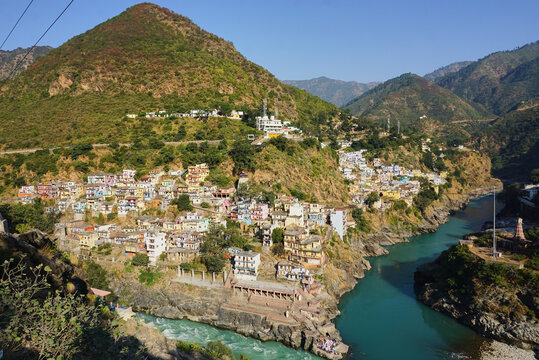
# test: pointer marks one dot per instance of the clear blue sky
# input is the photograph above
(362, 40)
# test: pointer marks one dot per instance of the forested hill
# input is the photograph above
(9, 60)
(144, 59)
(337, 92)
(448, 69)
(409, 97)
(512, 142)
(500, 81)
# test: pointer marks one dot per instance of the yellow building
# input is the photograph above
(89, 239)
(309, 251)
(391, 195)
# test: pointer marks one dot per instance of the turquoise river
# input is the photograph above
(380, 318)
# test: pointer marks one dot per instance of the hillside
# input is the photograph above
(495, 299)
(499, 81)
(144, 59)
(9, 59)
(337, 92)
(408, 97)
(512, 142)
(448, 69)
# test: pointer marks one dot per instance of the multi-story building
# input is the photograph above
(259, 212)
(155, 244)
(89, 239)
(293, 237)
(197, 173)
(246, 265)
(337, 219)
(44, 191)
(291, 271)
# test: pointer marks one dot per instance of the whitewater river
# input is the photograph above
(380, 319)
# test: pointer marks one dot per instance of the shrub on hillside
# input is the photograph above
(140, 260)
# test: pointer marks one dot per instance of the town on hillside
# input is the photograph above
(270, 249)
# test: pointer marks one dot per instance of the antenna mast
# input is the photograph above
(494, 226)
(265, 108)
(388, 123)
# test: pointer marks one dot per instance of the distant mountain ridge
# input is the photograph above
(9, 59)
(500, 81)
(448, 69)
(337, 92)
(409, 97)
(144, 59)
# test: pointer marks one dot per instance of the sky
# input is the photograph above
(361, 40)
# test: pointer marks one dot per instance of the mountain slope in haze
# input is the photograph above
(144, 59)
(512, 142)
(337, 92)
(9, 59)
(500, 81)
(408, 97)
(448, 69)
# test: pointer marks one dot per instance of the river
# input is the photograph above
(380, 318)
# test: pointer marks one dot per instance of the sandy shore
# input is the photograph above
(496, 350)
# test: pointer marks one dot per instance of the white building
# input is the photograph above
(155, 244)
(269, 125)
(246, 265)
(337, 219)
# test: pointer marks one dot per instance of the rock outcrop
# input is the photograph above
(33, 245)
(504, 313)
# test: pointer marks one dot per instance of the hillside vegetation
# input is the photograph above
(408, 97)
(144, 59)
(499, 81)
(513, 143)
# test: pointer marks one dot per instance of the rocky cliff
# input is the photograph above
(494, 303)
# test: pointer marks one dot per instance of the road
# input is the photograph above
(51, 149)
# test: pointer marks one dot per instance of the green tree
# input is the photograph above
(140, 260)
(428, 160)
(52, 325)
(277, 235)
(181, 134)
(278, 249)
(185, 266)
(220, 349)
(372, 198)
(97, 276)
(243, 155)
(214, 263)
(183, 203)
(361, 222)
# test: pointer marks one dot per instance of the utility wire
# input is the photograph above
(17, 23)
(38, 40)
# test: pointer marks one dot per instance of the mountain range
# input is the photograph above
(500, 81)
(144, 59)
(9, 59)
(409, 97)
(448, 69)
(337, 92)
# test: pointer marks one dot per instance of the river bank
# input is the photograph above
(497, 299)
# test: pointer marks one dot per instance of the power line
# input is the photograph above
(38, 40)
(17, 23)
